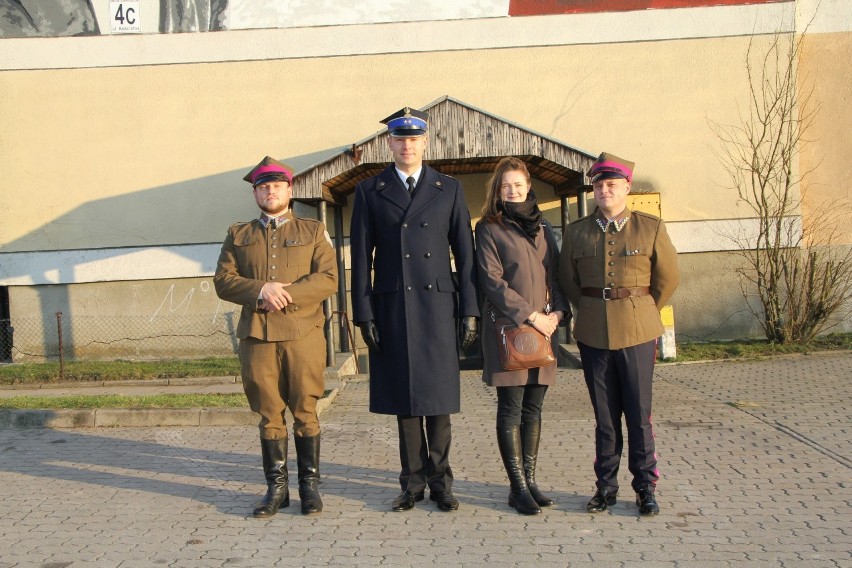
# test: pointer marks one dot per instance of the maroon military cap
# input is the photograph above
(269, 169)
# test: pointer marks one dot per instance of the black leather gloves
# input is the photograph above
(370, 333)
(468, 331)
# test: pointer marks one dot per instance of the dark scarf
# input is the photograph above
(526, 214)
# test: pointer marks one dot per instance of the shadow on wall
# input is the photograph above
(192, 212)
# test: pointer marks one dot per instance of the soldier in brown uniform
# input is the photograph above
(280, 268)
(618, 268)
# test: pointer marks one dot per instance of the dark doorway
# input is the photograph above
(5, 326)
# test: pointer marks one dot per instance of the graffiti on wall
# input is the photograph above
(173, 303)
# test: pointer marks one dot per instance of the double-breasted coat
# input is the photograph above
(515, 274)
(640, 254)
(402, 278)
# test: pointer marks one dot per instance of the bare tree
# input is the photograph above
(797, 265)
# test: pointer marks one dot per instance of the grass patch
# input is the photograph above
(37, 373)
(758, 349)
(126, 401)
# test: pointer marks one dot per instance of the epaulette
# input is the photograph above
(306, 219)
(643, 214)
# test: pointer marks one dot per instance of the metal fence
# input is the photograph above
(59, 335)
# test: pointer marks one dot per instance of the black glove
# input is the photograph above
(370, 333)
(468, 331)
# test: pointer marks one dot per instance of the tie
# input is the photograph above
(410, 182)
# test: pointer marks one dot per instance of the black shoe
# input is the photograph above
(603, 498)
(647, 503)
(406, 500)
(445, 500)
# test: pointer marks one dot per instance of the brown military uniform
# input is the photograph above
(639, 255)
(282, 353)
(617, 276)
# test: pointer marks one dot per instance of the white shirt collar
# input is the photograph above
(404, 177)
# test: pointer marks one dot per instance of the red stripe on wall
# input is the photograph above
(542, 7)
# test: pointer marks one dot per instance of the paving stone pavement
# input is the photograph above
(754, 457)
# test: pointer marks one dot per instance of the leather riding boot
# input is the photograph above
(275, 468)
(530, 436)
(509, 441)
(307, 459)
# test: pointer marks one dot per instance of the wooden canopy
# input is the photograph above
(462, 140)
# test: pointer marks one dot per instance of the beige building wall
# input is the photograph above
(136, 146)
(165, 142)
(825, 68)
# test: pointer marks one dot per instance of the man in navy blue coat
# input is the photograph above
(405, 222)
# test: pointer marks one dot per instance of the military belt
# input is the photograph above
(616, 293)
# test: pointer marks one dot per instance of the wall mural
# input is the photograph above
(542, 7)
(47, 18)
(55, 18)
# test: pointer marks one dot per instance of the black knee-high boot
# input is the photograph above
(275, 469)
(530, 436)
(307, 459)
(509, 441)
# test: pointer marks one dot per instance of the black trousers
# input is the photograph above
(619, 382)
(424, 452)
(519, 404)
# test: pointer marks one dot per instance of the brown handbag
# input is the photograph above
(521, 346)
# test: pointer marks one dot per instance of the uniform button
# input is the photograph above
(274, 246)
(405, 225)
(424, 225)
(272, 277)
(407, 255)
(272, 267)
(611, 263)
(428, 255)
(273, 256)
(611, 284)
(611, 253)
(611, 274)
(295, 308)
(408, 288)
(427, 287)
(611, 242)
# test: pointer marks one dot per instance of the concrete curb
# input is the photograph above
(137, 417)
(151, 417)
(174, 382)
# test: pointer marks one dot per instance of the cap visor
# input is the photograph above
(607, 175)
(407, 132)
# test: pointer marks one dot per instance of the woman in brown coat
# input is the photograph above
(517, 257)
